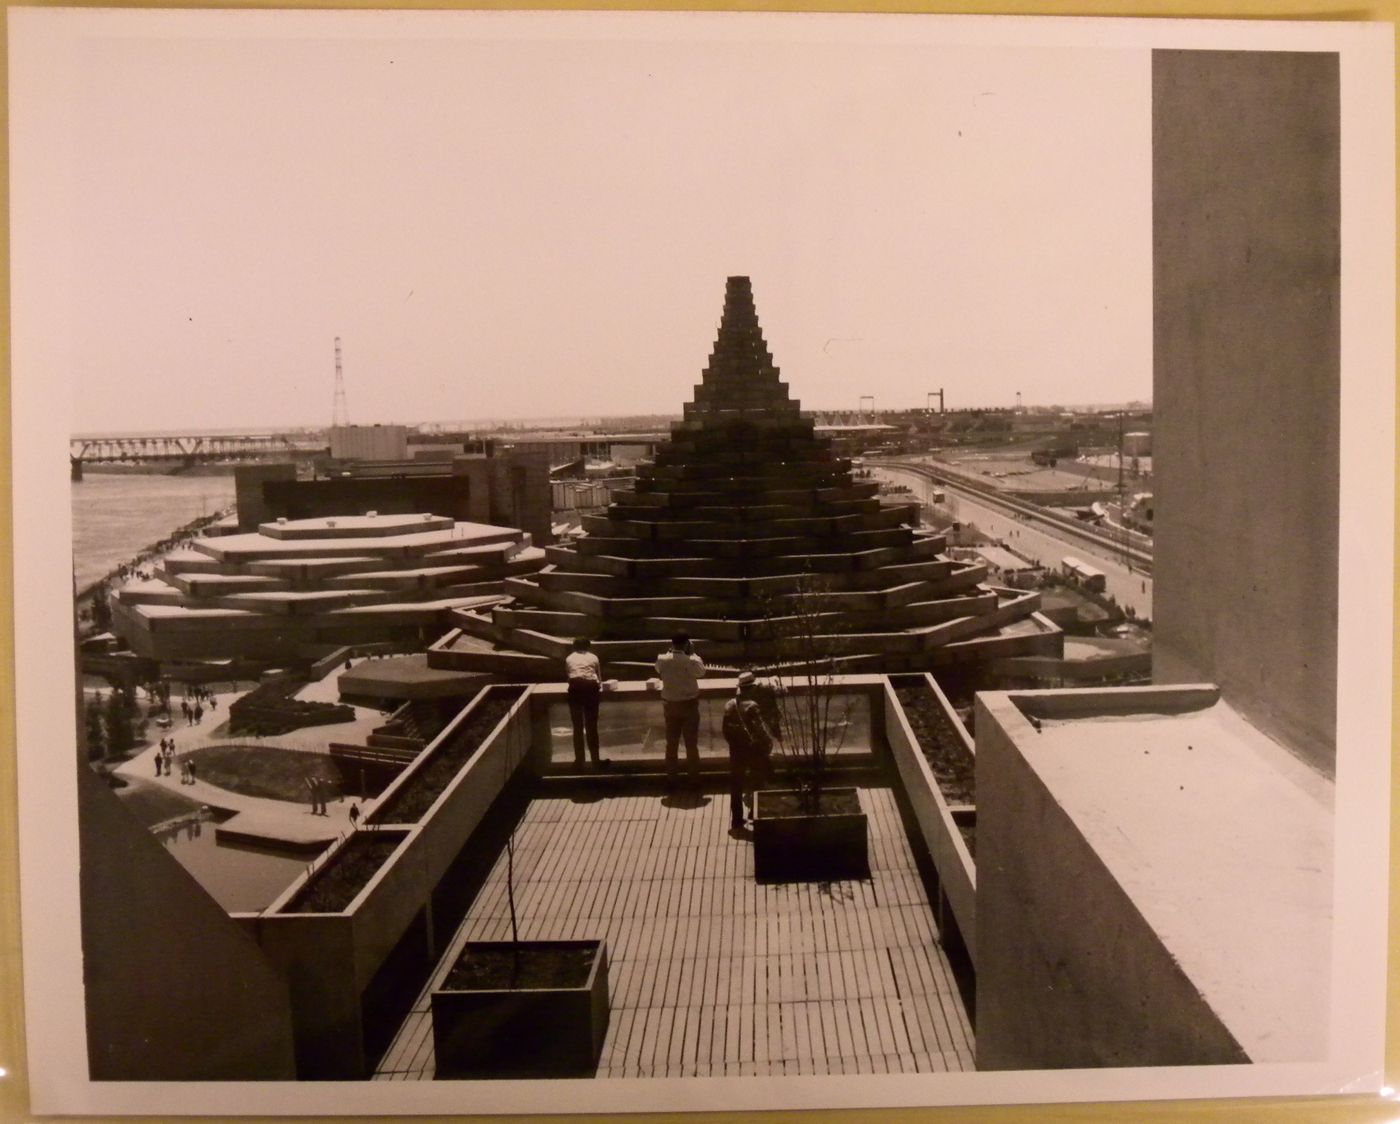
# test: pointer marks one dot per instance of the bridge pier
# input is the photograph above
(75, 469)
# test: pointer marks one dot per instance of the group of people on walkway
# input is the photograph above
(319, 791)
(166, 757)
(750, 730)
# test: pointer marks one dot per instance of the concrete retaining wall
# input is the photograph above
(957, 873)
(1069, 973)
(330, 959)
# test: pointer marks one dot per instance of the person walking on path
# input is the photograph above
(160, 758)
(314, 789)
(189, 768)
(749, 741)
(585, 677)
(679, 670)
(198, 713)
(169, 756)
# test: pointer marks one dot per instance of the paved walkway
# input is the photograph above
(710, 973)
(284, 820)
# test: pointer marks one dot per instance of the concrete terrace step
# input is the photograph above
(307, 833)
(462, 651)
(317, 569)
(846, 541)
(697, 530)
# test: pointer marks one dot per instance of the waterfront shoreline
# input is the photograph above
(151, 553)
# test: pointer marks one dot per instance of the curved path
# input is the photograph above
(255, 817)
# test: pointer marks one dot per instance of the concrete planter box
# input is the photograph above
(330, 959)
(808, 847)
(535, 1032)
(938, 823)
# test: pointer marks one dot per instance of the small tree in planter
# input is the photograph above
(811, 831)
(521, 1008)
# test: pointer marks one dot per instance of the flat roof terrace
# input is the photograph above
(713, 974)
(1224, 841)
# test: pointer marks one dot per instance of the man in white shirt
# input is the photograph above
(585, 672)
(680, 670)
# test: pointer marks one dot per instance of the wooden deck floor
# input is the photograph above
(712, 974)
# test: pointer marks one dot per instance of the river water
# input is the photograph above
(116, 516)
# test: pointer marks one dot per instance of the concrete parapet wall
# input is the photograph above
(1070, 974)
(330, 959)
(957, 874)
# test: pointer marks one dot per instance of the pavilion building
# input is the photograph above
(296, 585)
(744, 520)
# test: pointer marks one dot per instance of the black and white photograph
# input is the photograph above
(620, 561)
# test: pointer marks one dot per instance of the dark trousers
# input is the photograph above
(583, 709)
(682, 720)
(746, 772)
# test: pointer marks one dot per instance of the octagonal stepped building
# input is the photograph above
(744, 514)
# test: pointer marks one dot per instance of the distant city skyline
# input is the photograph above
(499, 223)
(429, 425)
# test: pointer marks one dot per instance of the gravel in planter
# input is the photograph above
(336, 884)
(497, 967)
(953, 767)
(419, 792)
(831, 802)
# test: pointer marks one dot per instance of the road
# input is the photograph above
(1031, 540)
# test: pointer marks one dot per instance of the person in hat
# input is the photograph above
(749, 741)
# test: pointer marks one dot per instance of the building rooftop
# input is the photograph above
(711, 973)
(351, 526)
(1223, 841)
(334, 581)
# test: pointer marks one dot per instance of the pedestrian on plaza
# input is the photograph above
(160, 761)
(198, 713)
(169, 755)
(315, 794)
(185, 710)
(679, 670)
(189, 768)
(354, 815)
(750, 742)
(584, 672)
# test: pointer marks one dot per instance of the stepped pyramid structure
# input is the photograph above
(744, 514)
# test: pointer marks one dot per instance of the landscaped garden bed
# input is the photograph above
(936, 762)
(270, 709)
(430, 778)
(942, 745)
(264, 771)
(347, 872)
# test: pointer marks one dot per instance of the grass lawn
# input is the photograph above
(264, 771)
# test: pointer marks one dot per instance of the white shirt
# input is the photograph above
(680, 675)
(583, 666)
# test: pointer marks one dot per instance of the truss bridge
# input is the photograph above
(187, 451)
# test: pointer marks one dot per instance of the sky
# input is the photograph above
(532, 217)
